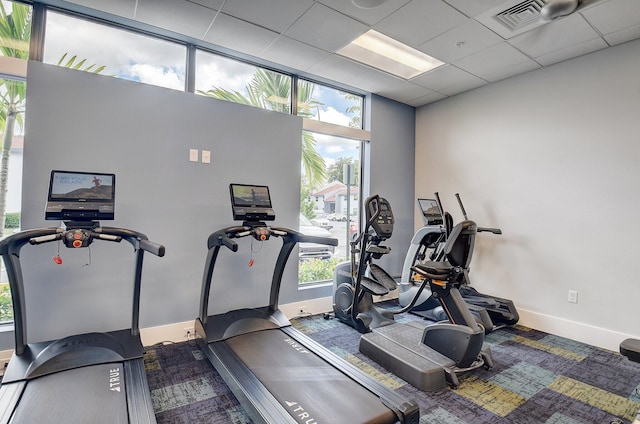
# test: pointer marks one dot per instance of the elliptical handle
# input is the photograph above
(464, 212)
(489, 230)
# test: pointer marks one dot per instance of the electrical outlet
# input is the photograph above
(189, 333)
(573, 296)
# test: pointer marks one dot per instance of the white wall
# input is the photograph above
(551, 157)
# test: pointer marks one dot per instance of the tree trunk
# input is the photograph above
(7, 141)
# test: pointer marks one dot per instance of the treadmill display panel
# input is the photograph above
(431, 213)
(251, 203)
(81, 196)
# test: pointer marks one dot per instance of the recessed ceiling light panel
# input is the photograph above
(379, 51)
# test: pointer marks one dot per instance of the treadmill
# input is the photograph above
(96, 377)
(278, 374)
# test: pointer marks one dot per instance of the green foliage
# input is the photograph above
(72, 64)
(336, 171)
(306, 205)
(12, 220)
(6, 308)
(317, 269)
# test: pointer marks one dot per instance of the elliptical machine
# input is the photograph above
(427, 356)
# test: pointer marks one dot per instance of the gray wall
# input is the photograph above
(551, 157)
(86, 122)
(392, 172)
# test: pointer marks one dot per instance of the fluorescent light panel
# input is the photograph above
(385, 53)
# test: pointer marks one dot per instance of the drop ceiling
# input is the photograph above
(303, 36)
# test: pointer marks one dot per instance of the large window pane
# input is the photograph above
(15, 31)
(329, 105)
(227, 79)
(79, 43)
(332, 206)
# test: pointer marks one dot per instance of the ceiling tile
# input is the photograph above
(448, 79)
(430, 98)
(475, 7)
(211, 4)
(238, 35)
(460, 41)
(405, 91)
(276, 15)
(623, 36)
(338, 68)
(614, 15)
(368, 16)
(571, 52)
(554, 36)
(419, 21)
(124, 8)
(178, 16)
(293, 53)
(496, 62)
(325, 28)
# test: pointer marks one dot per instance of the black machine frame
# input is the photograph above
(32, 362)
(218, 332)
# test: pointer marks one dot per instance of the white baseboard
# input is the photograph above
(175, 333)
(589, 334)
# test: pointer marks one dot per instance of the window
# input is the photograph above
(89, 46)
(327, 104)
(227, 79)
(16, 20)
(330, 174)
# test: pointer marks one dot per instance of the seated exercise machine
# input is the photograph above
(278, 374)
(96, 377)
(427, 356)
(490, 311)
(631, 349)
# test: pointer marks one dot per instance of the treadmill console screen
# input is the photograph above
(251, 203)
(431, 213)
(80, 196)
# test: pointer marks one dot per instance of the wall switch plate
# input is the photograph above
(206, 156)
(193, 155)
(573, 296)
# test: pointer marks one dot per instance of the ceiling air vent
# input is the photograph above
(513, 17)
(521, 15)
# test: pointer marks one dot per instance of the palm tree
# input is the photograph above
(15, 30)
(271, 90)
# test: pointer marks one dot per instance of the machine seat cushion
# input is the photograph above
(434, 270)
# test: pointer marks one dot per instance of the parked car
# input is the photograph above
(313, 250)
(322, 223)
(336, 217)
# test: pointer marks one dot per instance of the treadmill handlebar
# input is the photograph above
(45, 235)
(225, 236)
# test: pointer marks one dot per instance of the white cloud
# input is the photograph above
(156, 75)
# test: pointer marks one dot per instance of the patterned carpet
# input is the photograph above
(537, 378)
